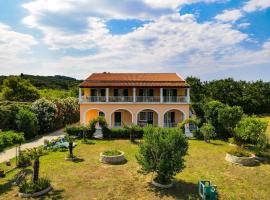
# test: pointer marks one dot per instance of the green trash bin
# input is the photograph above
(207, 191)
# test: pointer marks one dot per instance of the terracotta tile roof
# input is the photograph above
(134, 80)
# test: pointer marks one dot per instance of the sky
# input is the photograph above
(211, 39)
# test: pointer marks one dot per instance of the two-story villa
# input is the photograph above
(160, 99)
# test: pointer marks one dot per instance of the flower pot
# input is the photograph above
(244, 161)
(36, 194)
(114, 160)
(165, 186)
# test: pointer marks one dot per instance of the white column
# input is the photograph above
(188, 95)
(134, 95)
(161, 95)
(107, 94)
(80, 94)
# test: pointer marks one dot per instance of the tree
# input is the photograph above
(208, 131)
(162, 152)
(45, 111)
(196, 91)
(229, 116)
(27, 122)
(18, 89)
(35, 154)
(250, 130)
(211, 110)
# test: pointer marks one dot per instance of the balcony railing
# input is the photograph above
(120, 99)
(147, 99)
(138, 99)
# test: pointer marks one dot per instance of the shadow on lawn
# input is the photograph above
(180, 190)
(10, 183)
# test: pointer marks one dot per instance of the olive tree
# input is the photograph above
(162, 152)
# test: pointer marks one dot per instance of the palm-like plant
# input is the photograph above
(35, 154)
(70, 141)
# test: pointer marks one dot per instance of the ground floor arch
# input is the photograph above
(147, 116)
(93, 114)
(121, 117)
(172, 117)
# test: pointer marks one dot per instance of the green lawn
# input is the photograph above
(90, 179)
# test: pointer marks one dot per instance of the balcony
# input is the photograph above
(135, 99)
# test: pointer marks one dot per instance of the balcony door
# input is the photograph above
(146, 92)
(170, 95)
(120, 92)
(169, 118)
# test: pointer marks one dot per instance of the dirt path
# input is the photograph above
(11, 153)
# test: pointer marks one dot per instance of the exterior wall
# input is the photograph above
(91, 114)
(181, 91)
(87, 92)
(108, 109)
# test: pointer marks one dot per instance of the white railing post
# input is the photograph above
(161, 95)
(188, 95)
(80, 94)
(107, 94)
(134, 95)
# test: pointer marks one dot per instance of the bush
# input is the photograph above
(239, 152)
(30, 187)
(78, 130)
(27, 123)
(134, 131)
(45, 111)
(18, 89)
(7, 115)
(198, 134)
(162, 152)
(24, 159)
(208, 131)
(10, 138)
(251, 130)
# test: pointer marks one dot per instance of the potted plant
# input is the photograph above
(112, 157)
(162, 152)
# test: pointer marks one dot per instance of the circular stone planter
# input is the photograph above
(162, 185)
(36, 194)
(114, 160)
(245, 161)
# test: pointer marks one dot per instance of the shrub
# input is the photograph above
(198, 134)
(239, 152)
(7, 115)
(18, 89)
(208, 131)
(30, 187)
(10, 138)
(24, 159)
(45, 111)
(27, 122)
(79, 131)
(162, 152)
(250, 130)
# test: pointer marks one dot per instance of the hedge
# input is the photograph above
(78, 130)
(10, 138)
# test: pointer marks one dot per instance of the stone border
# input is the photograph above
(36, 194)
(118, 159)
(244, 161)
(161, 185)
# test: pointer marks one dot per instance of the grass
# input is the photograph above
(90, 179)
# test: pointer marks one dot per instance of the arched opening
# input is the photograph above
(147, 116)
(121, 117)
(93, 114)
(173, 117)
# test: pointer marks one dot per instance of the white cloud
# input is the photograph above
(13, 47)
(243, 25)
(229, 15)
(254, 5)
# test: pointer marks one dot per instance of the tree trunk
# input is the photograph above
(70, 146)
(35, 170)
